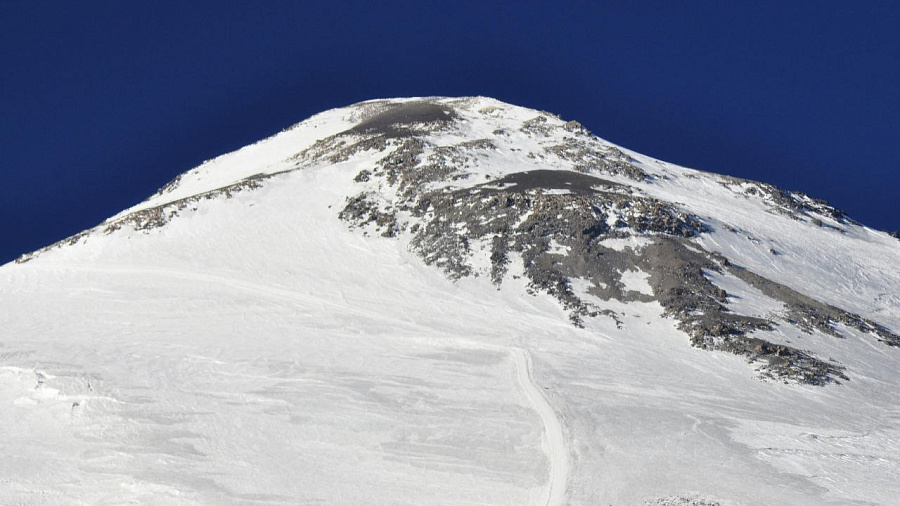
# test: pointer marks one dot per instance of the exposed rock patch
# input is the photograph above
(676, 275)
(555, 222)
(537, 126)
(404, 119)
(157, 216)
(588, 157)
(572, 182)
(794, 204)
(681, 500)
(809, 314)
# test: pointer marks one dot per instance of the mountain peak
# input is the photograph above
(472, 183)
(487, 301)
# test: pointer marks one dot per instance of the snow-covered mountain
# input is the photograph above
(454, 301)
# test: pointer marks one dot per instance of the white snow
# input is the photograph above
(555, 440)
(637, 281)
(558, 249)
(743, 298)
(255, 351)
(632, 242)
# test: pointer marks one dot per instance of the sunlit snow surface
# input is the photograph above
(256, 351)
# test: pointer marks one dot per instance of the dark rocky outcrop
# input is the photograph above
(555, 221)
(401, 120)
(795, 204)
(554, 224)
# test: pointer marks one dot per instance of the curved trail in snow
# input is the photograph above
(554, 443)
(554, 439)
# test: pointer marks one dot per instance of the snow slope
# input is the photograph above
(255, 349)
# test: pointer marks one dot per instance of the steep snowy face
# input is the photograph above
(480, 188)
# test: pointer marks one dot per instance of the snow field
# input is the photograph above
(255, 351)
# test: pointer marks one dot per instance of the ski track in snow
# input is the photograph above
(649, 418)
(554, 438)
(555, 441)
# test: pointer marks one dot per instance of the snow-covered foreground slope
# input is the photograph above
(251, 346)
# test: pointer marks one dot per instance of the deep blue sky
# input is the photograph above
(102, 103)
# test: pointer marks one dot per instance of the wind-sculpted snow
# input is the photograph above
(454, 301)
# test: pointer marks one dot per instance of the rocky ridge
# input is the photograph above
(555, 222)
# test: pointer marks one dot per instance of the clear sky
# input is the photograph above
(101, 103)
